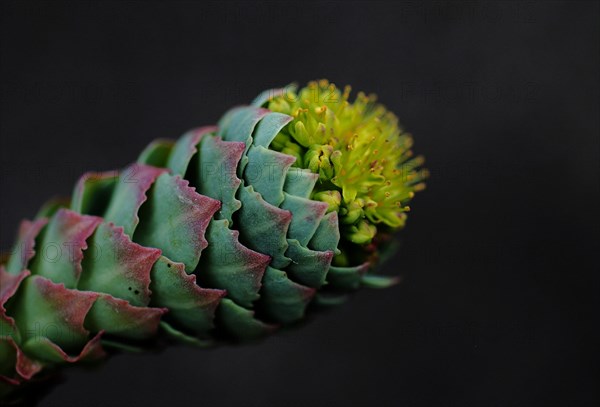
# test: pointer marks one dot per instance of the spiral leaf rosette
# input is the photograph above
(224, 235)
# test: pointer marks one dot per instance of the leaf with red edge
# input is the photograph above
(25, 367)
(229, 265)
(238, 125)
(62, 247)
(240, 322)
(264, 226)
(306, 216)
(15, 361)
(43, 309)
(217, 173)
(24, 251)
(129, 195)
(300, 182)
(9, 283)
(185, 148)
(156, 153)
(48, 351)
(174, 220)
(93, 191)
(118, 317)
(117, 266)
(191, 307)
(308, 267)
(282, 300)
(327, 235)
(266, 171)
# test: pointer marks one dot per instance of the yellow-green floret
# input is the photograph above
(367, 172)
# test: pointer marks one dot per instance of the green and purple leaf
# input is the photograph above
(175, 219)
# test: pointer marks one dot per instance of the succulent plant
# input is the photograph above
(224, 235)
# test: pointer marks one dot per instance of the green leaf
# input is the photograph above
(115, 265)
(300, 182)
(44, 349)
(229, 265)
(129, 195)
(268, 94)
(240, 322)
(238, 125)
(23, 250)
(190, 306)
(93, 192)
(40, 312)
(264, 226)
(282, 300)
(156, 153)
(185, 148)
(174, 220)
(268, 128)
(306, 217)
(375, 281)
(266, 171)
(327, 235)
(184, 338)
(216, 173)
(62, 246)
(308, 267)
(346, 278)
(118, 317)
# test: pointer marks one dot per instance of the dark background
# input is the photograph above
(499, 301)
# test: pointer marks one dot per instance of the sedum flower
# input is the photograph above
(358, 150)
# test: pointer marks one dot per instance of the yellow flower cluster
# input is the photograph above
(367, 172)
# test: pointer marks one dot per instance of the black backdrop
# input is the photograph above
(500, 257)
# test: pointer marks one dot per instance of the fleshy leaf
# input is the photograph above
(269, 127)
(238, 125)
(190, 306)
(62, 247)
(46, 350)
(23, 251)
(377, 281)
(282, 300)
(306, 216)
(181, 337)
(156, 153)
(44, 309)
(50, 207)
(326, 300)
(327, 235)
(347, 278)
(15, 361)
(93, 192)
(118, 317)
(175, 219)
(115, 265)
(217, 177)
(265, 226)
(266, 171)
(269, 94)
(308, 267)
(185, 148)
(129, 195)
(300, 182)
(240, 322)
(229, 265)
(9, 284)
